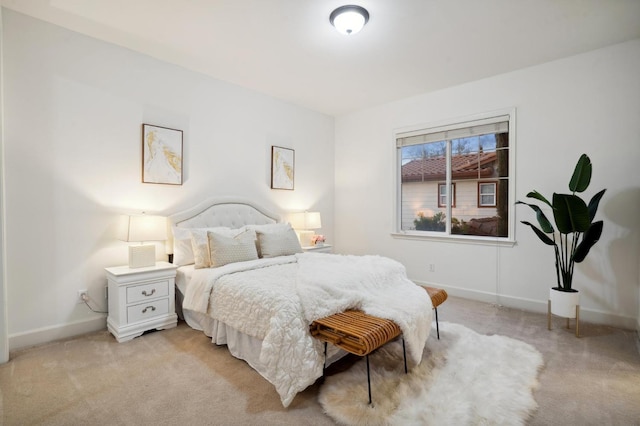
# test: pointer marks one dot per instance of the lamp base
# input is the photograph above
(142, 256)
(305, 237)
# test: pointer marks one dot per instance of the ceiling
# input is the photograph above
(288, 49)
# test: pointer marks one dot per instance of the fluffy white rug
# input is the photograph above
(464, 379)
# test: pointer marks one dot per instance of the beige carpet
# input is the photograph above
(177, 376)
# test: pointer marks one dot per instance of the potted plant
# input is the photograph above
(574, 234)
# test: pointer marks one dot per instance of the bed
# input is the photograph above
(244, 281)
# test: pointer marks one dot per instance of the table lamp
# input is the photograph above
(143, 228)
(304, 223)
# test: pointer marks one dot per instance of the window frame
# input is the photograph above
(444, 124)
(495, 194)
(453, 191)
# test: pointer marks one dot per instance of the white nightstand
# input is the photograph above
(141, 299)
(325, 248)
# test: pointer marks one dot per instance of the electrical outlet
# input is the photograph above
(432, 267)
(81, 294)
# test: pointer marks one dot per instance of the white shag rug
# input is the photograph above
(465, 378)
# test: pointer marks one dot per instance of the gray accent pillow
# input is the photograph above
(282, 242)
(226, 249)
(200, 244)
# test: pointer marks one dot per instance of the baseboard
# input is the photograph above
(540, 306)
(56, 332)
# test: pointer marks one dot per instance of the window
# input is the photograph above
(469, 160)
(442, 197)
(486, 194)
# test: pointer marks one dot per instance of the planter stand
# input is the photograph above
(577, 318)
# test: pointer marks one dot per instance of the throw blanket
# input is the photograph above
(376, 285)
(276, 299)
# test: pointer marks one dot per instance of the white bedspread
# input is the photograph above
(276, 299)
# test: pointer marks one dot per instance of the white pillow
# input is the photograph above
(200, 244)
(182, 251)
(278, 243)
(225, 249)
(182, 246)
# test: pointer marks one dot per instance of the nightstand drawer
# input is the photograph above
(144, 311)
(147, 291)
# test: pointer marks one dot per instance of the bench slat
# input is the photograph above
(355, 332)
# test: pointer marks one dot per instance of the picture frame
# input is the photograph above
(161, 155)
(282, 168)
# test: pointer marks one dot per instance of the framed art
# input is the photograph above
(161, 155)
(282, 167)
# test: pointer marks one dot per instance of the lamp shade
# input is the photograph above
(306, 220)
(144, 228)
(349, 19)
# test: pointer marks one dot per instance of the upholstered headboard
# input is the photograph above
(229, 212)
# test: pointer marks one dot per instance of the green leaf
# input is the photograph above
(538, 196)
(571, 214)
(543, 237)
(544, 223)
(581, 174)
(593, 204)
(590, 238)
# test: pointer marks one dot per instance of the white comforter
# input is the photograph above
(276, 299)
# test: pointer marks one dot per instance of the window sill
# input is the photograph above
(460, 239)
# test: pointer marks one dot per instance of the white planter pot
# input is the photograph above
(563, 304)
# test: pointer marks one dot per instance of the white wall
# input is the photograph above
(588, 103)
(73, 113)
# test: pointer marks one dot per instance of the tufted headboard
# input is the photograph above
(230, 212)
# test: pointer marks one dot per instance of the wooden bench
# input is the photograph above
(360, 334)
(357, 333)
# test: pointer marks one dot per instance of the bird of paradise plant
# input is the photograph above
(576, 232)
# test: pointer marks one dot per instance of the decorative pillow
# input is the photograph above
(200, 244)
(279, 243)
(267, 228)
(225, 249)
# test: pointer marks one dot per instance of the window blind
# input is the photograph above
(485, 126)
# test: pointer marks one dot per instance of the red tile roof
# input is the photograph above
(465, 166)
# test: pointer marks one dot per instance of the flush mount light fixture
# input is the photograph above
(349, 19)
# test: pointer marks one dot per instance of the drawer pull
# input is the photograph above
(144, 292)
(153, 308)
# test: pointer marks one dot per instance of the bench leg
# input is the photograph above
(324, 366)
(368, 379)
(404, 354)
(437, 326)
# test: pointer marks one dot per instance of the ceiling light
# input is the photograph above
(349, 19)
